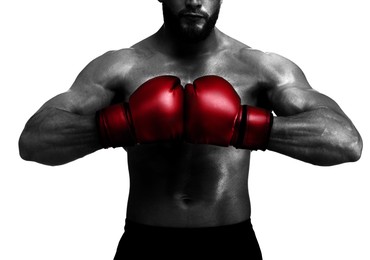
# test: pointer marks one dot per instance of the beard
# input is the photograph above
(189, 31)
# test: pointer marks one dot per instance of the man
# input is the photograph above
(189, 104)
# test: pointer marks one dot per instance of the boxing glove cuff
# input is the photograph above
(115, 127)
(253, 128)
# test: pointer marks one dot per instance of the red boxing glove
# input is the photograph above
(154, 113)
(213, 115)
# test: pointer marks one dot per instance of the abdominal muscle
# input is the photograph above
(185, 185)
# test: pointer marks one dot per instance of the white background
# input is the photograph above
(77, 211)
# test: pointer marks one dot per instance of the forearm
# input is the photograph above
(320, 137)
(53, 137)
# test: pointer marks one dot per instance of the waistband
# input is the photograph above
(132, 226)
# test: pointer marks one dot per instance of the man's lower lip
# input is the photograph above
(192, 17)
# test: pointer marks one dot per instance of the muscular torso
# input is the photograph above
(181, 184)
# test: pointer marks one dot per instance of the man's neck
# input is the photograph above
(170, 44)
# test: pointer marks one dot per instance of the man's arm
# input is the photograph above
(309, 126)
(64, 128)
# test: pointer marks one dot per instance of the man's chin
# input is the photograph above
(189, 27)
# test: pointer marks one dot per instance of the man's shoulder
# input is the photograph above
(262, 58)
(125, 55)
(271, 67)
(116, 63)
(247, 54)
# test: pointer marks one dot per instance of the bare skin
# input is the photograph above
(182, 184)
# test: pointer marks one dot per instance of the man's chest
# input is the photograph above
(243, 78)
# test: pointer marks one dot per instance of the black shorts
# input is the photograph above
(237, 241)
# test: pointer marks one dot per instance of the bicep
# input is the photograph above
(89, 93)
(290, 93)
(292, 100)
(79, 101)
